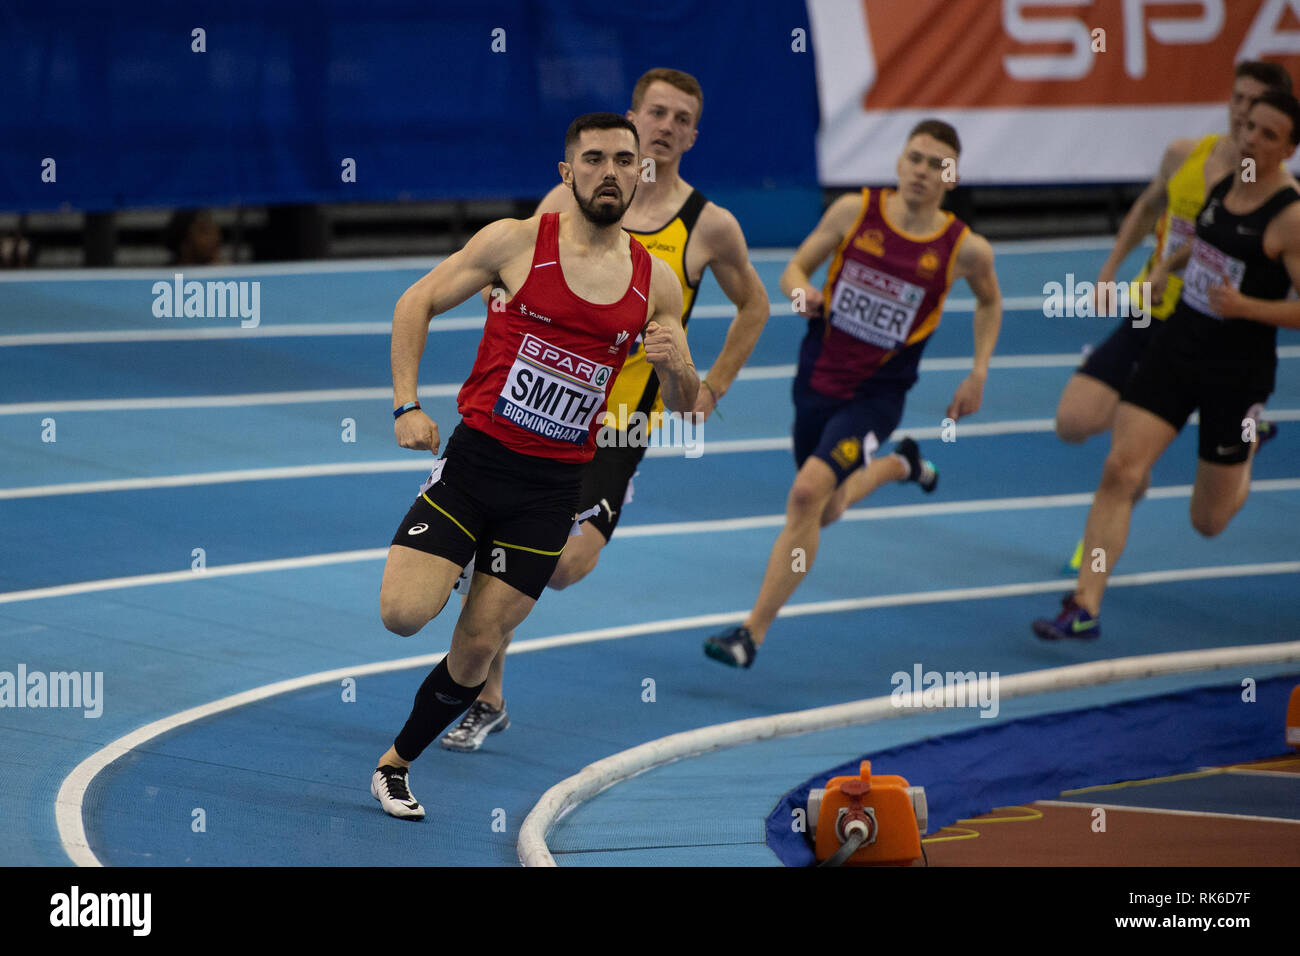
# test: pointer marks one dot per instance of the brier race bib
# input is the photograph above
(1209, 267)
(874, 307)
(553, 392)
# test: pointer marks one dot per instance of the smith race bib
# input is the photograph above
(553, 392)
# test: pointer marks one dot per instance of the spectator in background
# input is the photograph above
(16, 251)
(193, 238)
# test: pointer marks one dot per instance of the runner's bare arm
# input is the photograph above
(739, 281)
(816, 248)
(665, 340)
(1285, 313)
(1164, 268)
(1146, 210)
(975, 265)
(450, 283)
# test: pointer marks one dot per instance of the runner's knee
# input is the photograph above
(401, 616)
(1074, 427)
(574, 565)
(808, 496)
(1125, 475)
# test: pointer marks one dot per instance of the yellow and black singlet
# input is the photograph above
(1185, 191)
(636, 388)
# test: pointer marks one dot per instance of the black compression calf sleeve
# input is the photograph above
(438, 702)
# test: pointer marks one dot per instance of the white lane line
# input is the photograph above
(779, 308)
(420, 463)
(596, 777)
(449, 389)
(1174, 813)
(425, 263)
(452, 323)
(182, 577)
(717, 526)
(221, 401)
(72, 792)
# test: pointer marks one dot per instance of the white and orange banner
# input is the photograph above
(1039, 90)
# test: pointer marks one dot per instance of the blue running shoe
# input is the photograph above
(734, 647)
(1073, 621)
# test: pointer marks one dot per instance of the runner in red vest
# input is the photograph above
(506, 490)
(896, 256)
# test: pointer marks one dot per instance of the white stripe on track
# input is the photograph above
(392, 263)
(72, 792)
(454, 323)
(221, 401)
(449, 389)
(420, 464)
(715, 526)
(1217, 815)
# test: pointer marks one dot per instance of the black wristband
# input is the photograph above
(408, 407)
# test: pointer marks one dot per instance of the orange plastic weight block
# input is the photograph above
(885, 803)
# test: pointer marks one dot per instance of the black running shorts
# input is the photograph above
(1114, 360)
(1171, 383)
(511, 512)
(607, 485)
(844, 433)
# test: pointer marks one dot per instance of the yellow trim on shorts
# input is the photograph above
(520, 547)
(450, 518)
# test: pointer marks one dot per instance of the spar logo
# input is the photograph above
(564, 362)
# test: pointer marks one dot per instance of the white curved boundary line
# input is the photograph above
(592, 779)
(72, 792)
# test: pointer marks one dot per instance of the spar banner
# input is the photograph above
(1039, 90)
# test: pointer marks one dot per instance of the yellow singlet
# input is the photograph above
(637, 386)
(1186, 191)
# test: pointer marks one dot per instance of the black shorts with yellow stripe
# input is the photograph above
(511, 512)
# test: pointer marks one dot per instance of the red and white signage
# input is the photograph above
(1039, 90)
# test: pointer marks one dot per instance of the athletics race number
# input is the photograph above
(874, 307)
(1181, 232)
(1209, 267)
(553, 392)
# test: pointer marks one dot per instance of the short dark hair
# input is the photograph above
(596, 121)
(943, 132)
(1285, 103)
(1272, 75)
